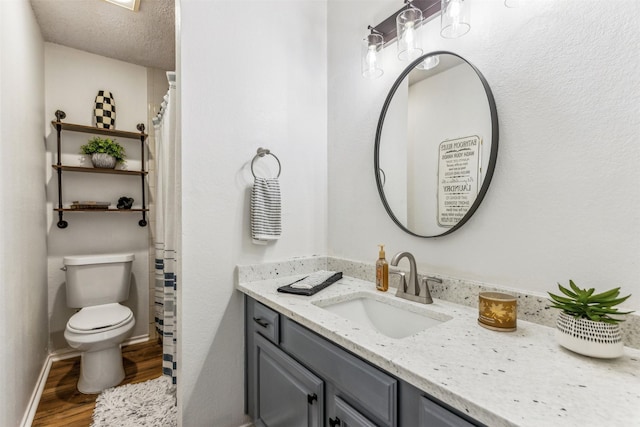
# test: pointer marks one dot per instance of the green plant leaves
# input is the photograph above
(583, 303)
(104, 145)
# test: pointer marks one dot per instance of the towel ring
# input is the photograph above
(261, 153)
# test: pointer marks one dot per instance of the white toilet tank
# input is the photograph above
(97, 279)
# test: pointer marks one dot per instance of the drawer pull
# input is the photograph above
(261, 322)
(311, 398)
(334, 423)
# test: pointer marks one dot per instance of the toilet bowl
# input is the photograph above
(98, 332)
(97, 284)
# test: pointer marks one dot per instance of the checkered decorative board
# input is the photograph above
(105, 110)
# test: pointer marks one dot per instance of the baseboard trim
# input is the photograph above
(136, 340)
(66, 353)
(34, 401)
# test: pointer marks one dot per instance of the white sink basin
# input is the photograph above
(394, 319)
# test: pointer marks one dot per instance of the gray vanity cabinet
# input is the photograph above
(353, 386)
(287, 394)
(347, 416)
(432, 414)
(295, 378)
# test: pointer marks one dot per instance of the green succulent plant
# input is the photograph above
(583, 303)
(104, 145)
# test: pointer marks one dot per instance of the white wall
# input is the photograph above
(255, 81)
(23, 271)
(72, 80)
(564, 200)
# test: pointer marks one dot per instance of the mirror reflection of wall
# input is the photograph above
(394, 155)
(428, 107)
(447, 105)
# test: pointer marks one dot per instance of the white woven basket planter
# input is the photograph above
(103, 161)
(589, 338)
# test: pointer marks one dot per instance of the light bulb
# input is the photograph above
(409, 33)
(454, 10)
(371, 59)
(455, 18)
(407, 23)
(370, 67)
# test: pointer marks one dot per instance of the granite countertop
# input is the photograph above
(520, 378)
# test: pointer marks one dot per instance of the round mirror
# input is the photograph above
(436, 145)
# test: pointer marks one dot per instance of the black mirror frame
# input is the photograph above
(492, 156)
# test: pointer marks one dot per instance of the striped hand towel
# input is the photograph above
(265, 210)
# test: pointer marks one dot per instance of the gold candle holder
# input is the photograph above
(497, 311)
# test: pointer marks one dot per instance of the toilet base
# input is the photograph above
(100, 370)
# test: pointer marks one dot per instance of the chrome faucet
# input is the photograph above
(411, 290)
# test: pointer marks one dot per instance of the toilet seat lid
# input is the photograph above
(99, 317)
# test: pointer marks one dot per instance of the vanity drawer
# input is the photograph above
(365, 387)
(266, 322)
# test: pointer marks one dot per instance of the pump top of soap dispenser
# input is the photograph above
(381, 254)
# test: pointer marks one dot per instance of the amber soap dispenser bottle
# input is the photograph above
(382, 272)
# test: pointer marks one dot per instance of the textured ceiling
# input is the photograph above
(146, 37)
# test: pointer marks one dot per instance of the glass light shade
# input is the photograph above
(371, 46)
(132, 5)
(429, 63)
(454, 20)
(407, 23)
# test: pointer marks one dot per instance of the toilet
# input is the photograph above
(97, 284)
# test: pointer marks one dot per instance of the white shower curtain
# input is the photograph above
(166, 200)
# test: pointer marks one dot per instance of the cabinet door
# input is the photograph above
(347, 416)
(288, 394)
(369, 389)
(433, 415)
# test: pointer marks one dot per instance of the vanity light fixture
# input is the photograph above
(132, 5)
(454, 19)
(371, 45)
(403, 26)
(388, 30)
(407, 23)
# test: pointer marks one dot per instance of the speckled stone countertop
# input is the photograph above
(520, 378)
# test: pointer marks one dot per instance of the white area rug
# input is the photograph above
(149, 404)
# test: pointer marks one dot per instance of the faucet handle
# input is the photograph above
(403, 279)
(427, 292)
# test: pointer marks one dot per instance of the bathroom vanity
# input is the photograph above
(307, 362)
(295, 377)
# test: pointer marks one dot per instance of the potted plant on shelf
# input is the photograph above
(105, 152)
(589, 323)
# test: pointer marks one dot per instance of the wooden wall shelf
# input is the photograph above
(59, 167)
(98, 131)
(100, 210)
(98, 170)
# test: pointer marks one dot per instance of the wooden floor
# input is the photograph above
(62, 404)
